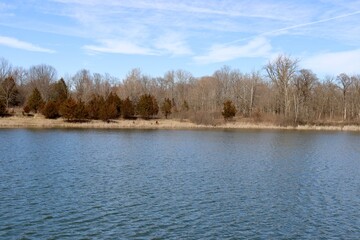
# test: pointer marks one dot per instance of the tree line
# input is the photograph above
(281, 92)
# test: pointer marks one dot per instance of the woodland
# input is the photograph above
(280, 93)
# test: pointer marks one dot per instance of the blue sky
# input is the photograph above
(115, 36)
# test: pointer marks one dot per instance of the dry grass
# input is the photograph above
(38, 121)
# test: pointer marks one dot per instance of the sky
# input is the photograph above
(199, 36)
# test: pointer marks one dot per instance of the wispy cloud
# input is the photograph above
(226, 29)
(121, 47)
(255, 9)
(334, 62)
(173, 44)
(108, 17)
(297, 26)
(16, 43)
(258, 47)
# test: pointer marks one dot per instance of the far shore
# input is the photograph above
(40, 122)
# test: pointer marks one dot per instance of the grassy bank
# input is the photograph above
(39, 121)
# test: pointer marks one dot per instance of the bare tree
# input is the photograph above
(5, 69)
(281, 71)
(304, 83)
(103, 84)
(20, 76)
(41, 77)
(132, 85)
(84, 85)
(8, 91)
(345, 82)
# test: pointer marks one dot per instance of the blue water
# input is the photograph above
(86, 184)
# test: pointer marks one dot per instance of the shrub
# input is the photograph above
(26, 109)
(3, 110)
(229, 110)
(51, 110)
(185, 106)
(203, 118)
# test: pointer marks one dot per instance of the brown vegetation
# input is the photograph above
(282, 95)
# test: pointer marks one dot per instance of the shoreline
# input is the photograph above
(37, 122)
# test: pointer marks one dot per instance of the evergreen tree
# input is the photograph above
(67, 109)
(113, 101)
(166, 107)
(58, 94)
(94, 106)
(147, 106)
(229, 110)
(155, 106)
(51, 110)
(80, 112)
(108, 110)
(3, 110)
(59, 91)
(35, 101)
(127, 109)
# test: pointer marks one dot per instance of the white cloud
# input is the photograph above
(120, 47)
(173, 44)
(257, 9)
(15, 43)
(334, 62)
(258, 47)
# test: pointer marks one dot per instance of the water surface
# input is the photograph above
(131, 184)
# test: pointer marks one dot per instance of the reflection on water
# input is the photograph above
(179, 184)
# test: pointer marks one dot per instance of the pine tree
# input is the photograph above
(67, 109)
(229, 110)
(112, 101)
(80, 112)
(51, 110)
(127, 109)
(59, 91)
(94, 106)
(3, 110)
(166, 107)
(108, 111)
(147, 106)
(35, 101)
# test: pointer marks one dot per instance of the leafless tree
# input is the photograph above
(281, 71)
(345, 82)
(41, 77)
(304, 83)
(131, 86)
(84, 85)
(8, 91)
(5, 69)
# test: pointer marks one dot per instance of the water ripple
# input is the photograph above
(58, 184)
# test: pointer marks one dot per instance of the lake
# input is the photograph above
(172, 184)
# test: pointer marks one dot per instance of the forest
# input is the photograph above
(280, 93)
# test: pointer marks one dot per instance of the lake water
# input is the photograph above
(96, 184)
